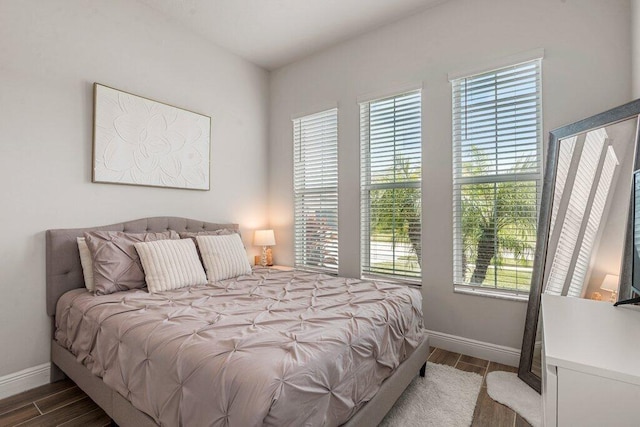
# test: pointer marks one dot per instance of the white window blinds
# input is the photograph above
(497, 176)
(315, 183)
(391, 171)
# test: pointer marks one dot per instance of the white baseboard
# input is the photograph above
(483, 350)
(24, 380)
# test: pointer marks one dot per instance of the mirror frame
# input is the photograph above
(609, 117)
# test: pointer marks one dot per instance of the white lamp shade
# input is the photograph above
(610, 283)
(264, 238)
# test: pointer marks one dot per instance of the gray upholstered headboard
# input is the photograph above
(64, 271)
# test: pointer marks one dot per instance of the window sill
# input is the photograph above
(329, 272)
(393, 280)
(490, 293)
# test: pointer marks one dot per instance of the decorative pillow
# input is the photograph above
(87, 263)
(221, 232)
(116, 264)
(224, 257)
(192, 235)
(170, 264)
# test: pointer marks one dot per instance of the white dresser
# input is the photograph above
(591, 363)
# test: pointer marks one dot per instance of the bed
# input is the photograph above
(270, 347)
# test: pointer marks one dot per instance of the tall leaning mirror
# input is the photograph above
(583, 240)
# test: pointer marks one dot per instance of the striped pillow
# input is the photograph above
(170, 264)
(224, 257)
(87, 263)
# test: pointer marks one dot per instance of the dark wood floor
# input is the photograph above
(57, 404)
(64, 404)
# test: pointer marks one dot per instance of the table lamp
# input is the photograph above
(610, 284)
(264, 238)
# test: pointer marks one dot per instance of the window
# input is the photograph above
(391, 158)
(497, 177)
(315, 186)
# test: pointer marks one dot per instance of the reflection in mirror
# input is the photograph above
(584, 242)
(589, 208)
(588, 218)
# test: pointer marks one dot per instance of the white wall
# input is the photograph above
(586, 70)
(635, 47)
(50, 54)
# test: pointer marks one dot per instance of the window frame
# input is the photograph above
(492, 178)
(366, 187)
(301, 260)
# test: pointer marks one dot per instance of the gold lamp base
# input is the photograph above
(266, 258)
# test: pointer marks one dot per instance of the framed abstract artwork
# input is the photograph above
(138, 141)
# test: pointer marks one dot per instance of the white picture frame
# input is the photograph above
(138, 141)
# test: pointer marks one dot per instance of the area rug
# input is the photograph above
(508, 389)
(444, 397)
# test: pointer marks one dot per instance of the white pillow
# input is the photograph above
(224, 257)
(170, 264)
(87, 263)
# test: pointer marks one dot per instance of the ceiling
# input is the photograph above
(273, 33)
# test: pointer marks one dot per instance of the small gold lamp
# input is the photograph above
(264, 238)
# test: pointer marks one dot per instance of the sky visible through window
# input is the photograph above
(500, 122)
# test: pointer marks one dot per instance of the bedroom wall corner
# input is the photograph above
(50, 55)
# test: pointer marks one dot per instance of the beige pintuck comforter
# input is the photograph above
(271, 348)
